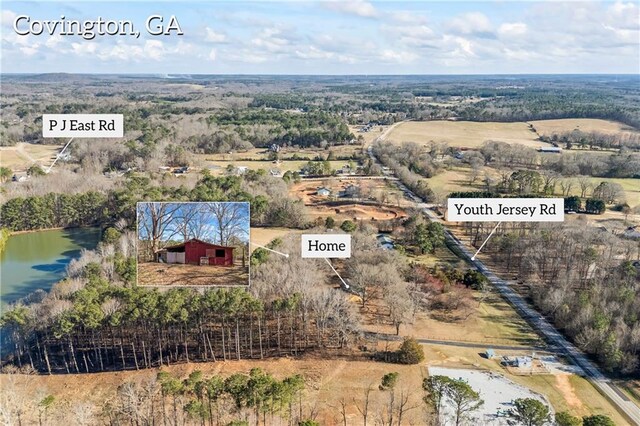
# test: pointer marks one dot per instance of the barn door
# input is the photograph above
(180, 257)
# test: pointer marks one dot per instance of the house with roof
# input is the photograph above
(323, 192)
(196, 252)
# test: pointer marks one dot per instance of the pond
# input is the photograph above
(37, 260)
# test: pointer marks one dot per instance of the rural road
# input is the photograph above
(551, 335)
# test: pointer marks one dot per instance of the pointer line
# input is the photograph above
(59, 155)
(276, 252)
(485, 241)
(346, 286)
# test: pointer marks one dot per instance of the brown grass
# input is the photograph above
(548, 127)
(326, 382)
(264, 236)
(178, 275)
(21, 156)
(464, 134)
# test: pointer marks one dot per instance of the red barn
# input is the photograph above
(197, 252)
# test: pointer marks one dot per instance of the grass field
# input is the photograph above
(262, 153)
(631, 188)
(283, 166)
(161, 274)
(21, 156)
(464, 134)
(548, 127)
(264, 236)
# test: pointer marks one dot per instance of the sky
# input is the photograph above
(334, 37)
(204, 220)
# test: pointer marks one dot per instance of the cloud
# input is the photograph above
(214, 37)
(407, 17)
(471, 23)
(7, 17)
(360, 8)
(54, 41)
(212, 55)
(512, 29)
(273, 40)
(400, 57)
(151, 50)
(312, 52)
(85, 48)
(30, 50)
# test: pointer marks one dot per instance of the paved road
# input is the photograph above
(621, 401)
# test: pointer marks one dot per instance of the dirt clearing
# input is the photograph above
(161, 274)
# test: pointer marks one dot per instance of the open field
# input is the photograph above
(326, 382)
(587, 125)
(285, 153)
(23, 155)
(162, 274)
(489, 320)
(282, 166)
(370, 135)
(631, 188)
(464, 134)
(456, 179)
(264, 236)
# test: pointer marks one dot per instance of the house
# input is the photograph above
(323, 192)
(632, 233)
(197, 252)
(489, 353)
(523, 361)
(351, 191)
(551, 149)
(385, 242)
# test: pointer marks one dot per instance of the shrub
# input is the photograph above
(410, 352)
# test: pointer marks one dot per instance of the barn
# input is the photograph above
(197, 252)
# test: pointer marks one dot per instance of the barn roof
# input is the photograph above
(195, 239)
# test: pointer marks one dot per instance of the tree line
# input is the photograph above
(583, 278)
(103, 208)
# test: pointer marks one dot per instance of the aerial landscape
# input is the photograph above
(162, 277)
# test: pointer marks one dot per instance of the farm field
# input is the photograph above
(326, 382)
(464, 134)
(370, 135)
(23, 155)
(283, 166)
(264, 236)
(587, 125)
(488, 320)
(631, 188)
(162, 274)
(287, 152)
(456, 179)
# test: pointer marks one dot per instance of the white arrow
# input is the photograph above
(485, 241)
(274, 251)
(59, 155)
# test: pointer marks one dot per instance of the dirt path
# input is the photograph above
(568, 392)
(22, 153)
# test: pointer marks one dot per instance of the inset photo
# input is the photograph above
(193, 244)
